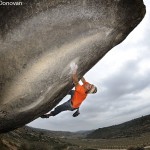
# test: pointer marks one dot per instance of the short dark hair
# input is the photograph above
(95, 90)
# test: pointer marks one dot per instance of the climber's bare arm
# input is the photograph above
(83, 80)
(75, 79)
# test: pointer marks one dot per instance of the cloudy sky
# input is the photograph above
(123, 81)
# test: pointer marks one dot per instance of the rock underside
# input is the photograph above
(41, 38)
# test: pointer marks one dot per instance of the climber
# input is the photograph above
(77, 96)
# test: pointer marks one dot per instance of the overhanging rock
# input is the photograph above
(41, 38)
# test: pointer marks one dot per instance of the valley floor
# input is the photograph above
(120, 143)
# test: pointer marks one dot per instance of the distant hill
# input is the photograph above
(55, 134)
(133, 128)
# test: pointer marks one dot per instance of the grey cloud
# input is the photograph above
(126, 81)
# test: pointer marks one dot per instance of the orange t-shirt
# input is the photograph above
(79, 95)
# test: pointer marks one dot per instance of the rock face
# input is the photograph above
(41, 38)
